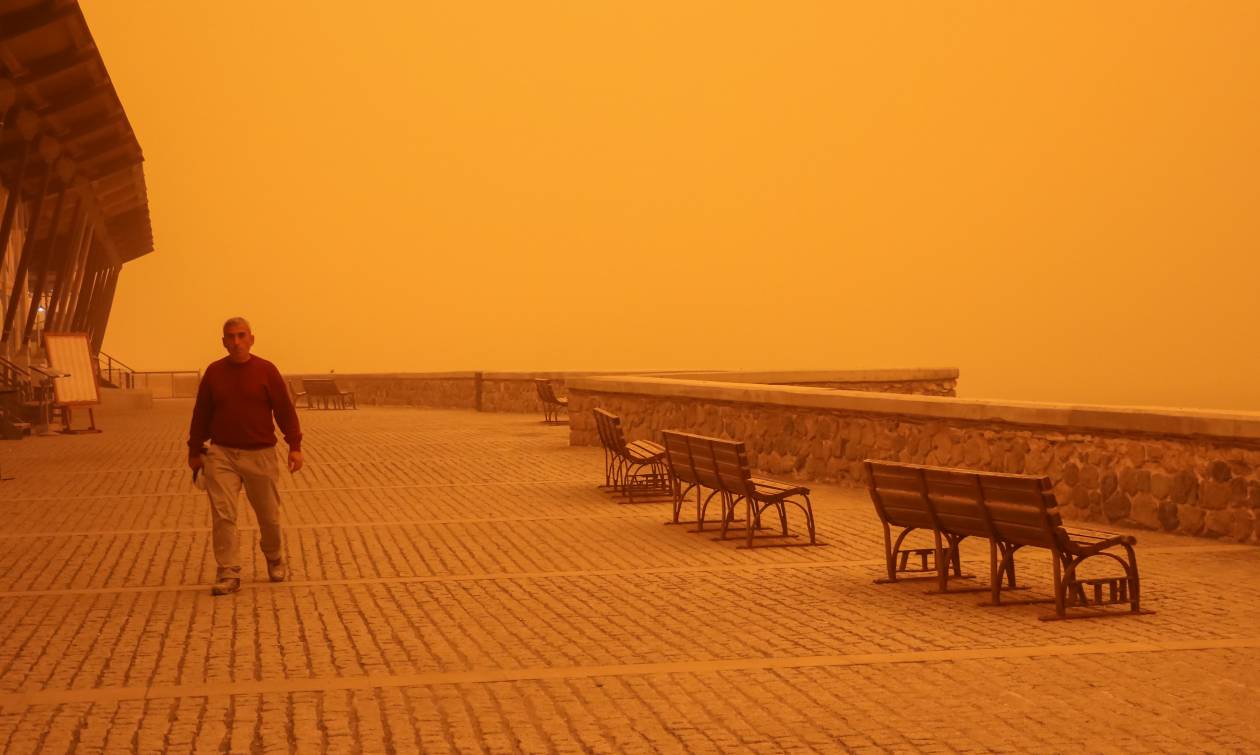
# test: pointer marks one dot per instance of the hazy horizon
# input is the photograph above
(1057, 198)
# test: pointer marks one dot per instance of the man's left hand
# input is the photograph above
(295, 461)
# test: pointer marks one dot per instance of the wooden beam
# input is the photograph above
(86, 128)
(55, 65)
(69, 101)
(20, 23)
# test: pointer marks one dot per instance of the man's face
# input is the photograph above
(238, 341)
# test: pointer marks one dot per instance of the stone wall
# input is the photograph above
(444, 390)
(516, 392)
(1195, 473)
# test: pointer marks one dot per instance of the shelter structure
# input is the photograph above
(72, 190)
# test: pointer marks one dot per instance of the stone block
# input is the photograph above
(1213, 495)
(1244, 524)
(1071, 473)
(1090, 476)
(1108, 485)
(1161, 485)
(1146, 511)
(1190, 519)
(1080, 498)
(1117, 506)
(1218, 523)
(1013, 461)
(1036, 462)
(836, 468)
(1219, 471)
(1168, 516)
(1185, 488)
(1135, 481)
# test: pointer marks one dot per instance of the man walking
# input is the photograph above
(235, 402)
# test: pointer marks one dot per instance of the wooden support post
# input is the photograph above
(11, 203)
(44, 263)
(83, 297)
(59, 296)
(102, 306)
(24, 261)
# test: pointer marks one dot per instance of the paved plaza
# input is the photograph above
(459, 583)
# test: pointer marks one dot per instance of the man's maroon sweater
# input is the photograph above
(235, 402)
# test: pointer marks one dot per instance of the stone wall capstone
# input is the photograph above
(516, 392)
(454, 390)
(1192, 483)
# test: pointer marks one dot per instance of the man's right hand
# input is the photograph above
(195, 462)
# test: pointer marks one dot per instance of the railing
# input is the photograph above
(14, 376)
(114, 372)
(167, 383)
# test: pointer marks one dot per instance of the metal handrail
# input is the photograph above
(16, 376)
(109, 367)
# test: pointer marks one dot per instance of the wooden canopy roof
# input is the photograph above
(66, 110)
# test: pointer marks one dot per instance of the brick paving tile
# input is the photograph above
(459, 584)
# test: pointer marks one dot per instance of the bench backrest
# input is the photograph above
(320, 386)
(899, 494)
(1013, 508)
(608, 425)
(1021, 509)
(545, 391)
(713, 463)
(956, 500)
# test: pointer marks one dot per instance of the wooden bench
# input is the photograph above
(696, 462)
(1011, 512)
(324, 391)
(630, 468)
(552, 405)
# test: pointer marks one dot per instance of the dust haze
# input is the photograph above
(1057, 198)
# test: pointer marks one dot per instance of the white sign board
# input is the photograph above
(68, 353)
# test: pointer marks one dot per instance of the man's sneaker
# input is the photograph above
(276, 570)
(226, 586)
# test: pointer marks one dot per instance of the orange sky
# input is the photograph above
(1058, 198)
